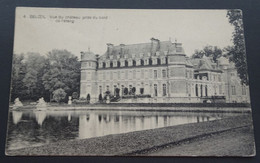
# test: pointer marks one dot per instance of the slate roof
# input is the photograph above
(142, 50)
(203, 64)
(88, 56)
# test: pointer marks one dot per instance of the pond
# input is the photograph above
(34, 128)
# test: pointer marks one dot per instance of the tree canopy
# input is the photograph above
(36, 76)
(18, 72)
(208, 51)
(63, 71)
(237, 53)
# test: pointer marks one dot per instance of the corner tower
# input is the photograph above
(176, 72)
(88, 77)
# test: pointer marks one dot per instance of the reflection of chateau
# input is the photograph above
(158, 71)
(94, 125)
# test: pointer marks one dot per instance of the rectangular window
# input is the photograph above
(243, 90)
(146, 74)
(93, 76)
(100, 89)
(155, 74)
(130, 75)
(220, 89)
(111, 75)
(164, 73)
(151, 73)
(233, 90)
(219, 78)
(104, 76)
(83, 76)
(155, 90)
(126, 74)
(164, 89)
(118, 74)
(115, 75)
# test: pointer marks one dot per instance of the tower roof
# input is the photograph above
(88, 56)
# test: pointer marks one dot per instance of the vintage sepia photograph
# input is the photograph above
(129, 82)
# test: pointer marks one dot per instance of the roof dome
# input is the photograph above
(88, 56)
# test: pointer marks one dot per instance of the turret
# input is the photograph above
(88, 75)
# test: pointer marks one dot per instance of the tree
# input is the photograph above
(117, 90)
(59, 95)
(126, 91)
(18, 73)
(133, 90)
(208, 51)
(35, 64)
(62, 71)
(100, 97)
(237, 53)
(88, 98)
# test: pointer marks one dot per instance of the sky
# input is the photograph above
(42, 29)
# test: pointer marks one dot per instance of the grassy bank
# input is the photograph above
(136, 142)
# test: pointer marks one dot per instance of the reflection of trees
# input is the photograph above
(59, 128)
(25, 132)
(28, 132)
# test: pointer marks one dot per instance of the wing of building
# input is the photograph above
(158, 72)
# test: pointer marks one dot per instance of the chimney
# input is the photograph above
(155, 46)
(122, 49)
(109, 49)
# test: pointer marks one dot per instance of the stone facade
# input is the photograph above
(160, 72)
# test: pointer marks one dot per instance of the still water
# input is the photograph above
(33, 128)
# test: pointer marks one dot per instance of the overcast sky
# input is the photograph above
(194, 28)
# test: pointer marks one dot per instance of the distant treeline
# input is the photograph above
(35, 76)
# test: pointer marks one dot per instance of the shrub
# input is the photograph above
(75, 95)
(59, 94)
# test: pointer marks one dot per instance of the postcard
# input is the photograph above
(129, 82)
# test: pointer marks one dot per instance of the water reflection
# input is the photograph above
(93, 125)
(40, 127)
(17, 115)
(40, 116)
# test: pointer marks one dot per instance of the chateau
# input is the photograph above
(158, 72)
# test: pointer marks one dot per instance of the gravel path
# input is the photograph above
(136, 142)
